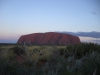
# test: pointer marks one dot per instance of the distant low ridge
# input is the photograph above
(49, 38)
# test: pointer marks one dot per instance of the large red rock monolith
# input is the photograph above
(49, 38)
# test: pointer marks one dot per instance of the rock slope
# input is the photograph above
(49, 38)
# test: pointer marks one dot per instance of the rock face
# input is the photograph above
(49, 38)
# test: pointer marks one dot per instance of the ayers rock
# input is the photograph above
(49, 38)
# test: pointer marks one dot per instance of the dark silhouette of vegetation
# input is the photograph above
(80, 59)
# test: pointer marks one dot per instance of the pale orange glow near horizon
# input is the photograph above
(89, 39)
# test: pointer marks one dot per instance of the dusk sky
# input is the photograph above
(20, 17)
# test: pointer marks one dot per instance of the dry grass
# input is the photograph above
(55, 65)
(35, 52)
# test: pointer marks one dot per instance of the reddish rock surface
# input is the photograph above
(49, 38)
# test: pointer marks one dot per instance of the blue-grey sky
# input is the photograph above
(19, 17)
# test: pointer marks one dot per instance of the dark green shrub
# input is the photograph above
(17, 50)
(11, 68)
(81, 59)
(61, 51)
(91, 64)
(82, 49)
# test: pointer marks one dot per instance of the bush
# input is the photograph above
(80, 59)
(18, 50)
(11, 68)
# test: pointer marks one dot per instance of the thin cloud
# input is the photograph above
(94, 13)
(89, 39)
(92, 34)
(96, 40)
